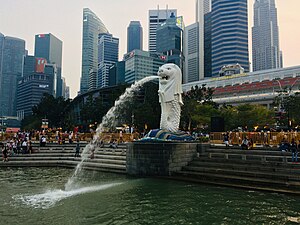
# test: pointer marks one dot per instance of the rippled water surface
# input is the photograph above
(36, 196)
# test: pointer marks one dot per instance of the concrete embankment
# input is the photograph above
(266, 169)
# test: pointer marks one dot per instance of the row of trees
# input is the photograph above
(143, 111)
(199, 108)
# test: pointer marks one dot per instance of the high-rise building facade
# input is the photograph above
(134, 36)
(191, 53)
(169, 37)
(117, 74)
(32, 87)
(156, 18)
(202, 7)
(140, 64)
(50, 47)
(207, 45)
(108, 51)
(197, 44)
(265, 38)
(229, 34)
(92, 27)
(12, 52)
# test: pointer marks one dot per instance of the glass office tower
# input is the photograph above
(12, 52)
(108, 51)
(229, 24)
(50, 47)
(265, 36)
(92, 27)
(134, 36)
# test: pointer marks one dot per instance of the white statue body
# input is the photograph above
(170, 90)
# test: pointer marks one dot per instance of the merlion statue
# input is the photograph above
(170, 90)
(170, 98)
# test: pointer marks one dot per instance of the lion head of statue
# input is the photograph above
(170, 82)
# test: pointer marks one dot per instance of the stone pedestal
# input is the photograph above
(159, 158)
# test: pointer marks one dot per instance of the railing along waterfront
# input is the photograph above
(105, 137)
(258, 138)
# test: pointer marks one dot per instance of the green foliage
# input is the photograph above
(246, 115)
(53, 109)
(291, 107)
(198, 108)
(143, 110)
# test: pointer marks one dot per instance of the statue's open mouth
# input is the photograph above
(164, 77)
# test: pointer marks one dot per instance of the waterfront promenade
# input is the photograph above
(266, 169)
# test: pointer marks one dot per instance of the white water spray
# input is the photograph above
(51, 197)
(108, 121)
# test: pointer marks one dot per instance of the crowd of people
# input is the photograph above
(292, 147)
(284, 145)
(16, 146)
(22, 142)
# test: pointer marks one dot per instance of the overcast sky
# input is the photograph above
(63, 18)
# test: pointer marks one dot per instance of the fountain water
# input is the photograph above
(108, 121)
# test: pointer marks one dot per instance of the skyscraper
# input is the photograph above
(38, 78)
(265, 38)
(12, 52)
(169, 37)
(207, 45)
(108, 51)
(156, 18)
(229, 24)
(202, 7)
(140, 64)
(117, 73)
(197, 44)
(191, 53)
(92, 27)
(50, 47)
(134, 36)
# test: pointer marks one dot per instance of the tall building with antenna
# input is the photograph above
(265, 36)
(156, 18)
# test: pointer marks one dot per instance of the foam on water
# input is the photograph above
(50, 198)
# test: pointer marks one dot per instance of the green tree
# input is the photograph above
(53, 109)
(246, 115)
(291, 108)
(192, 113)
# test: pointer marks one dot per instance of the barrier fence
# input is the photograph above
(105, 137)
(235, 138)
(258, 138)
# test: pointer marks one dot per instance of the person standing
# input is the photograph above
(24, 146)
(70, 137)
(294, 149)
(43, 141)
(30, 146)
(245, 143)
(77, 149)
(226, 139)
(4, 153)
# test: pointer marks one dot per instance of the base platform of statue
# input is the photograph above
(158, 158)
(164, 135)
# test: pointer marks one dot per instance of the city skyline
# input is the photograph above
(67, 25)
